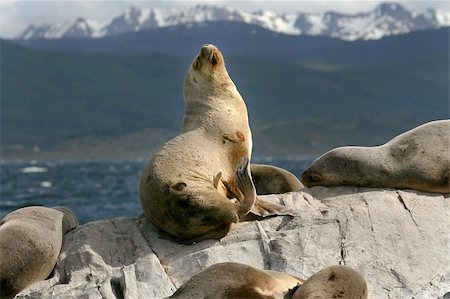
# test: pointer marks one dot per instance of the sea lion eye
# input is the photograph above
(315, 177)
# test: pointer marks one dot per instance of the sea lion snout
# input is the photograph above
(208, 51)
(209, 60)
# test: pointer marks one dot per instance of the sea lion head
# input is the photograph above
(207, 67)
(334, 282)
(340, 166)
(209, 61)
(209, 91)
(70, 221)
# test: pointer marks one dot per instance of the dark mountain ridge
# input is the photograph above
(93, 103)
(251, 41)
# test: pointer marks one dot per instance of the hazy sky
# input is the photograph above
(15, 15)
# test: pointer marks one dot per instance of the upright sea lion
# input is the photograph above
(417, 159)
(185, 189)
(30, 242)
(334, 282)
(237, 281)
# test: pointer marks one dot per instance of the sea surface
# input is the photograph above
(92, 189)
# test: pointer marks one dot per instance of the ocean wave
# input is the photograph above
(46, 184)
(33, 169)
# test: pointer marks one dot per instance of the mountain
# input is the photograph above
(86, 103)
(247, 40)
(81, 28)
(385, 20)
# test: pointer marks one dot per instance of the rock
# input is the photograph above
(398, 239)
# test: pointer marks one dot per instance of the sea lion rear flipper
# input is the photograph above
(265, 209)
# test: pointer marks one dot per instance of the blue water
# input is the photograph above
(92, 189)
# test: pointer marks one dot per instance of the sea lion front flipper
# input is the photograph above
(217, 179)
(264, 208)
(245, 184)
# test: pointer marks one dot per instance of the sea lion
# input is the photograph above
(417, 159)
(198, 183)
(233, 281)
(30, 242)
(269, 179)
(334, 282)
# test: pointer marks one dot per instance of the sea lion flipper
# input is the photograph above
(265, 209)
(217, 179)
(245, 184)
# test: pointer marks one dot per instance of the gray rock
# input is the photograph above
(398, 239)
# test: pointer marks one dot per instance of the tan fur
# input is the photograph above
(270, 179)
(418, 159)
(334, 282)
(233, 281)
(186, 187)
(30, 242)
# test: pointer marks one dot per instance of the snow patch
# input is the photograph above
(386, 19)
(317, 24)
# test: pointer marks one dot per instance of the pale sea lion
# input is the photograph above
(185, 189)
(237, 281)
(417, 159)
(269, 179)
(334, 282)
(30, 242)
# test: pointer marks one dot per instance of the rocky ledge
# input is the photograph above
(398, 239)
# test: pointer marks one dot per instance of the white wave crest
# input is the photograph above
(33, 169)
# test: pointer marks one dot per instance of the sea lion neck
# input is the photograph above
(217, 98)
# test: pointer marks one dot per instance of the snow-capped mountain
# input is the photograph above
(80, 28)
(386, 19)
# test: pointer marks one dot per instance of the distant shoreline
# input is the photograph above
(262, 159)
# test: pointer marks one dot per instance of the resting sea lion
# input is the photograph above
(334, 282)
(233, 280)
(30, 242)
(236, 281)
(417, 159)
(270, 179)
(185, 189)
